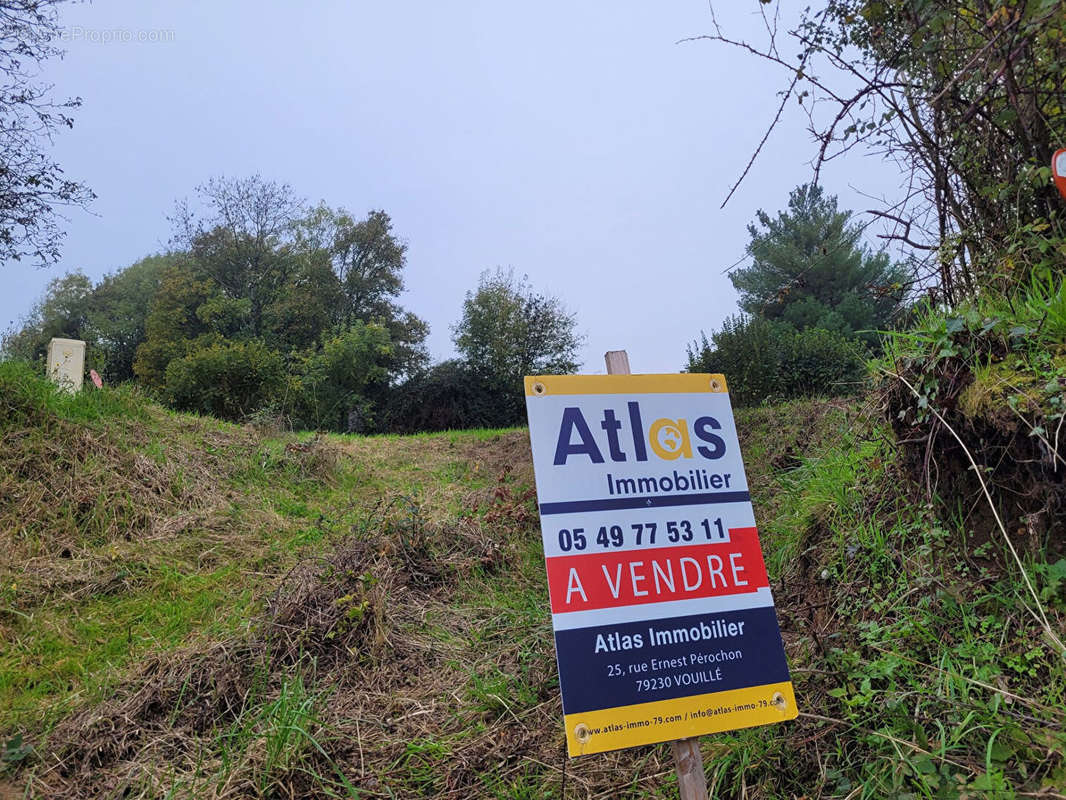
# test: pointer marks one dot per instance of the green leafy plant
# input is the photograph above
(15, 751)
(769, 361)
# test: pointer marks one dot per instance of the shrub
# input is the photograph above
(225, 379)
(449, 396)
(767, 360)
(336, 382)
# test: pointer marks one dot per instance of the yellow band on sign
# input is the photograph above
(686, 382)
(628, 726)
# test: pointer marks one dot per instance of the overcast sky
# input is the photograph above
(578, 143)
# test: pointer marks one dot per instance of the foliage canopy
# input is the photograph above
(259, 305)
(507, 331)
(32, 184)
(810, 268)
(966, 97)
(767, 360)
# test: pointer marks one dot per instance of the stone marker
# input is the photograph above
(66, 363)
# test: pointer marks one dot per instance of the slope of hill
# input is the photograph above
(195, 609)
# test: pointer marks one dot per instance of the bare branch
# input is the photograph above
(905, 236)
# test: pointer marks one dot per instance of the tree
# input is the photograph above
(242, 240)
(810, 268)
(111, 317)
(966, 97)
(301, 272)
(368, 260)
(32, 185)
(62, 312)
(258, 306)
(305, 307)
(118, 313)
(508, 331)
(173, 323)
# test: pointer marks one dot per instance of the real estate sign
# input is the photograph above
(664, 623)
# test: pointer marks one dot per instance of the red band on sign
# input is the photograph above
(633, 577)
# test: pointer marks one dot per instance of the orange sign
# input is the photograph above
(1058, 169)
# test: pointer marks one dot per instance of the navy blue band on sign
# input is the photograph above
(654, 501)
(637, 662)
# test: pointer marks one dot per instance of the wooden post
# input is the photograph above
(688, 761)
(617, 362)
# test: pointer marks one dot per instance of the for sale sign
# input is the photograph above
(664, 623)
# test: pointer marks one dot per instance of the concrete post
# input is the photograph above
(66, 363)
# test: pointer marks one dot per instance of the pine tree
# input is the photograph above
(810, 268)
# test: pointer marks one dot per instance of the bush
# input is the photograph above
(228, 380)
(337, 383)
(449, 396)
(767, 360)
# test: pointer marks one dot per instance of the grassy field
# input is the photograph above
(196, 609)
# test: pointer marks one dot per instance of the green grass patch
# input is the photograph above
(68, 654)
(348, 616)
